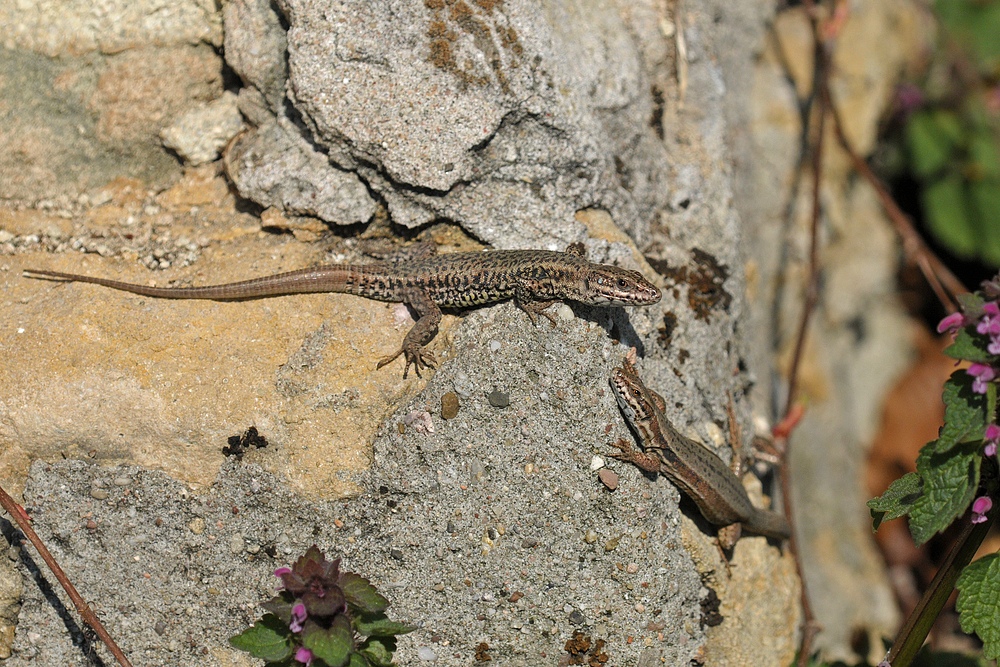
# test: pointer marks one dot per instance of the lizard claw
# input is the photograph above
(416, 356)
(630, 454)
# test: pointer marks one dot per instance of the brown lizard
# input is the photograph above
(699, 473)
(535, 279)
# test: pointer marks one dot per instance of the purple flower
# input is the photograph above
(989, 323)
(993, 347)
(992, 438)
(980, 508)
(298, 617)
(279, 573)
(983, 374)
(952, 323)
(304, 655)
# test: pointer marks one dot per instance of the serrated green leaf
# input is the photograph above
(970, 346)
(379, 650)
(331, 645)
(931, 138)
(978, 602)
(950, 483)
(948, 215)
(897, 500)
(361, 594)
(267, 639)
(379, 625)
(964, 413)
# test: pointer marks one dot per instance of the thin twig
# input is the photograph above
(89, 617)
(821, 104)
(944, 283)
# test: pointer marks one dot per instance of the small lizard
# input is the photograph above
(699, 473)
(535, 279)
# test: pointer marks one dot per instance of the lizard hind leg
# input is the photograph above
(422, 333)
(415, 355)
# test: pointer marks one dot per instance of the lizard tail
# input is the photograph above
(322, 279)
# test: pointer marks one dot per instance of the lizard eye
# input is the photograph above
(622, 283)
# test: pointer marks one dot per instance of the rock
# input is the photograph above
(483, 114)
(200, 134)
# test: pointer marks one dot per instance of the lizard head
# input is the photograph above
(631, 395)
(607, 285)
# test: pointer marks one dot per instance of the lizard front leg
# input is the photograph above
(423, 332)
(629, 454)
(532, 307)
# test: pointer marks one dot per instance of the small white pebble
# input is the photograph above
(494, 345)
(564, 312)
(427, 654)
(640, 607)
(596, 463)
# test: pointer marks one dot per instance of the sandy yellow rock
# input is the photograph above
(163, 383)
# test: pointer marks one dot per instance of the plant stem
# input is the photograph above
(911, 636)
(89, 617)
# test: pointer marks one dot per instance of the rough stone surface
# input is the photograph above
(87, 89)
(255, 48)
(502, 118)
(11, 592)
(199, 135)
(275, 166)
(56, 28)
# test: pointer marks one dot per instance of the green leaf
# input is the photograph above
(897, 500)
(379, 625)
(280, 606)
(950, 483)
(984, 33)
(978, 602)
(964, 413)
(931, 136)
(361, 594)
(971, 302)
(970, 346)
(267, 639)
(358, 660)
(948, 215)
(331, 645)
(983, 153)
(985, 199)
(379, 650)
